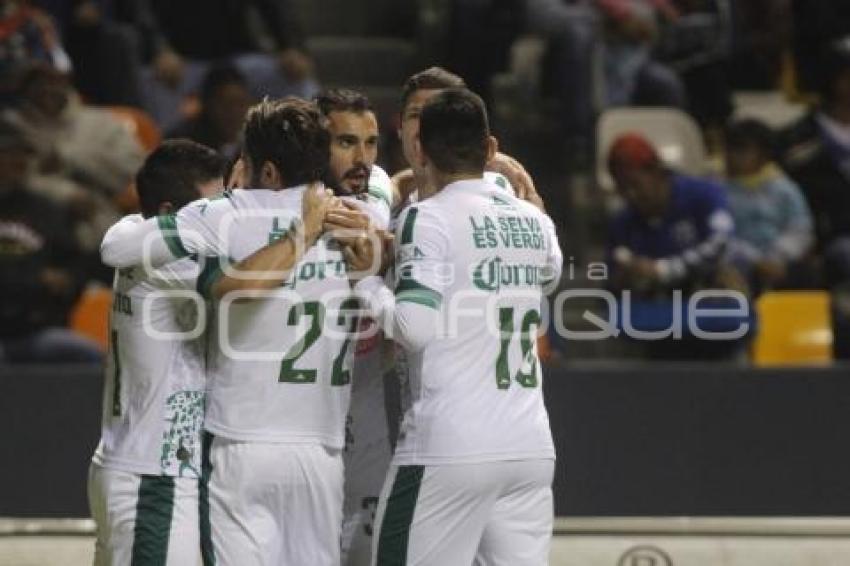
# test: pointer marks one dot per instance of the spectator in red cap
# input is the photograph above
(672, 233)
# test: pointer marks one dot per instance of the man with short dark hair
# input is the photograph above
(471, 475)
(143, 480)
(417, 90)
(280, 369)
(354, 135)
(176, 173)
(356, 179)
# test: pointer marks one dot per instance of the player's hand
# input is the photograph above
(369, 255)
(315, 205)
(518, 177)
(346, 223)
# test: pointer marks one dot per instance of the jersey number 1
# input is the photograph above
(506, 332)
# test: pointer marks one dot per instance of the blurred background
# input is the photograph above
(745, 102)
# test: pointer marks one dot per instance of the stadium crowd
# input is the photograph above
(773, 212)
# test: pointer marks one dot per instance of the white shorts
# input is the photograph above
(494, 514)
(270, 504)
(144, 520)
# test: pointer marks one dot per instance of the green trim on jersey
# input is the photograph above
(116, 380)
(425, 297)
(430, 300)
(211, 273)
(168, 227)
(407, 229)
(501, 181)
(395, 526)
(375, 191)
(154, 511)
(411, 291)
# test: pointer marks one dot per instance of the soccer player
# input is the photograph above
(379, 381)
(472, 471)
(373, 413)
(504, 170)
(143, 480)
(279, 367)
(354, 136)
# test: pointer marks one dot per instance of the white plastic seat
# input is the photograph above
(674, 134)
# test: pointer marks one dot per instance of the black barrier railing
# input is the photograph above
(637, 440)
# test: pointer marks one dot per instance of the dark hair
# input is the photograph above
(230, 165)
(290, 133)
(219, 75)
(172, 173)
(750, 132)
(431, 78)
(454, 130)
(342, 100)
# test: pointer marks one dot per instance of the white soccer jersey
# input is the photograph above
(279, 367)
(379, 196)
(479, 258)
(491, 176)
(153, 401)
(368, 446)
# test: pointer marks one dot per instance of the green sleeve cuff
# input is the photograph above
(410, 291)
(168, 227)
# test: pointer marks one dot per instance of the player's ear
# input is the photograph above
(270, 176)
(492, 148)
(165, 208)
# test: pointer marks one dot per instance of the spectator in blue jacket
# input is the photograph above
(773, 223)
(674, 229)
(671, 237)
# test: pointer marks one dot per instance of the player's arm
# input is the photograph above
(269, 267)
(412, 314)
(132, 239)
(518, 177)
(159, 240)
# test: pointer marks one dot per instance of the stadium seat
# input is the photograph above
(794, 328)
(675, 135)
(770, 107)
(140, 124)
(90, 316)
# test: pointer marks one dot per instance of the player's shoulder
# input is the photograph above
(209, 205)
(380, 184)
(499, 181)
(428, 213)
(525, 209)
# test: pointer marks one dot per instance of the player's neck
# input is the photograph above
(442, 180)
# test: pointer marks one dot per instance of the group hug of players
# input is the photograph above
(266, 340)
